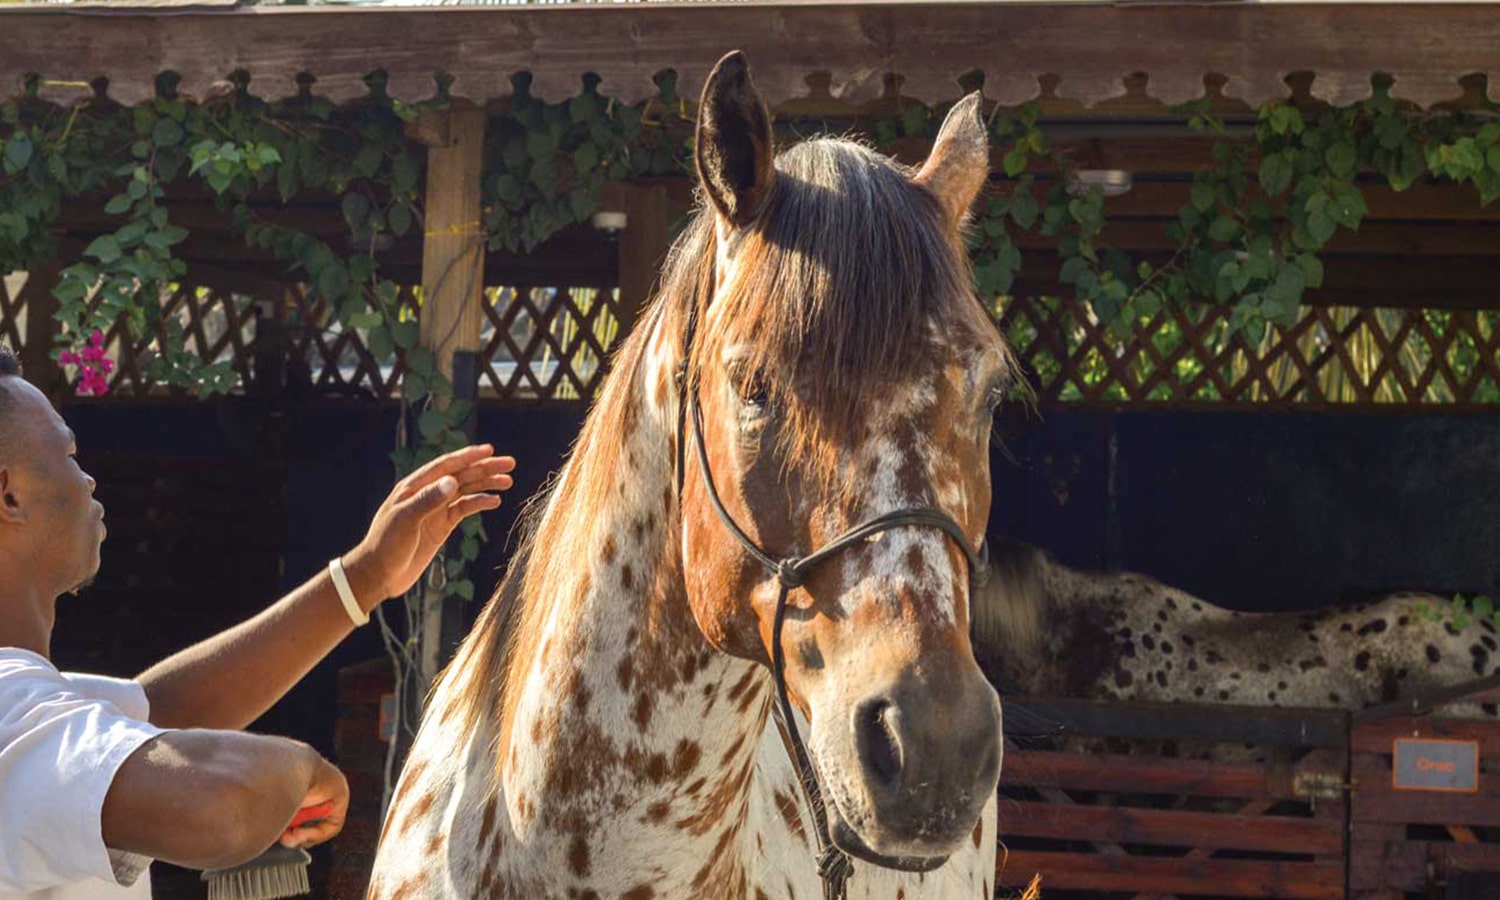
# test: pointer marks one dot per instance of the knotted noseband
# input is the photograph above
(834, 866)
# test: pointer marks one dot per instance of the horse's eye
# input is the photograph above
(750, 386)
(753, 392)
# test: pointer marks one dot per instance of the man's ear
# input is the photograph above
(10, 505)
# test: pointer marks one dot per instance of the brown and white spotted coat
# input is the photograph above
(605, 731)
(1046, 629)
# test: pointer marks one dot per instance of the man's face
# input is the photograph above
(48, 515)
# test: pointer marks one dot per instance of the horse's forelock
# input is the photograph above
(852, 280)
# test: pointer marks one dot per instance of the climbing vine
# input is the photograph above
(1250, 236)
(1257, 218)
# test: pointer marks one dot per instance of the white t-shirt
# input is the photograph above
(62, 738)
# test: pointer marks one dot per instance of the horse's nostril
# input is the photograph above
(879, 747)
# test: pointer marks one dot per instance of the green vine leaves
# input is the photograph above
(1250, 235)
(1257, 218)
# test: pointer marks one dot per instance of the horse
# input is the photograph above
(816, 374)
(1044, 629)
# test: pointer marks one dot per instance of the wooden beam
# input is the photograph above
(1165, 154)
(1272, 727)
(1171, 828)
(1137, 774)
(867, 50)
(1374, 238)
(1455, 282)
(452, 306)
(1421, 202)
(1428, 700)
(453, 246)
(1377, 737)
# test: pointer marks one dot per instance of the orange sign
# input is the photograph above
(1425, 764)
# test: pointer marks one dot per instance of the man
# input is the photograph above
(99, 776)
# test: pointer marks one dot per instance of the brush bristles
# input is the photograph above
(260, 884)
(278, 873)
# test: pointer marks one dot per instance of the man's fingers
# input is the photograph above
(468, 506)
(492, 483)
(448, 464)
(485, 469)
(496, 464)
(312, 834)
(429, 498)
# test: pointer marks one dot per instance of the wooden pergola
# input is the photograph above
(859, 48)
(1104, 74)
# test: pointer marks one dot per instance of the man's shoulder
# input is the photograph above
(28, 678)
(16, 663)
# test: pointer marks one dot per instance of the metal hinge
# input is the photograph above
(1319, 786)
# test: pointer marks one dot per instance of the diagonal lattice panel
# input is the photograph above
(547, 343)
(13, 309)
(218, 327)
(1329, 356)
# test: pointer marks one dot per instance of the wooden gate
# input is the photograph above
(1118, 801)
(1128, 818)
(1405, 842)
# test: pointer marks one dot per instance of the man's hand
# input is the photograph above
(328, 786)
(419, 515)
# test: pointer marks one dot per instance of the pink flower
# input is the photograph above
(93, 366)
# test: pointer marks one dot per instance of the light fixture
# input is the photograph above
(613, 222)
(1110, 182)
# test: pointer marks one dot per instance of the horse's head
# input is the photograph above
(844, 369)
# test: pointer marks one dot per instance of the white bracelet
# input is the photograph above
(346, 594)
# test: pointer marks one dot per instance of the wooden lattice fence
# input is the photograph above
(13, 298)
(1332, 356)
(537, 343)
(552, 343)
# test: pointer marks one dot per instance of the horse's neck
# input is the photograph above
(627, 719)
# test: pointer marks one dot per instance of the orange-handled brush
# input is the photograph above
(279, 872)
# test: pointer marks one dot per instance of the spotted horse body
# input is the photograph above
(606, 730)
(1124, 636)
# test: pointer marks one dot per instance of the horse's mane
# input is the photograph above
(848, 272)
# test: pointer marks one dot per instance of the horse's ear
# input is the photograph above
(734, 142)
(960, 158)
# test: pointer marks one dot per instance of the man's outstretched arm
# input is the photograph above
(232, 678)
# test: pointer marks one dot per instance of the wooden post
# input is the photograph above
(643, 245)
(41, 332)
(452, 291)
(453, 246)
